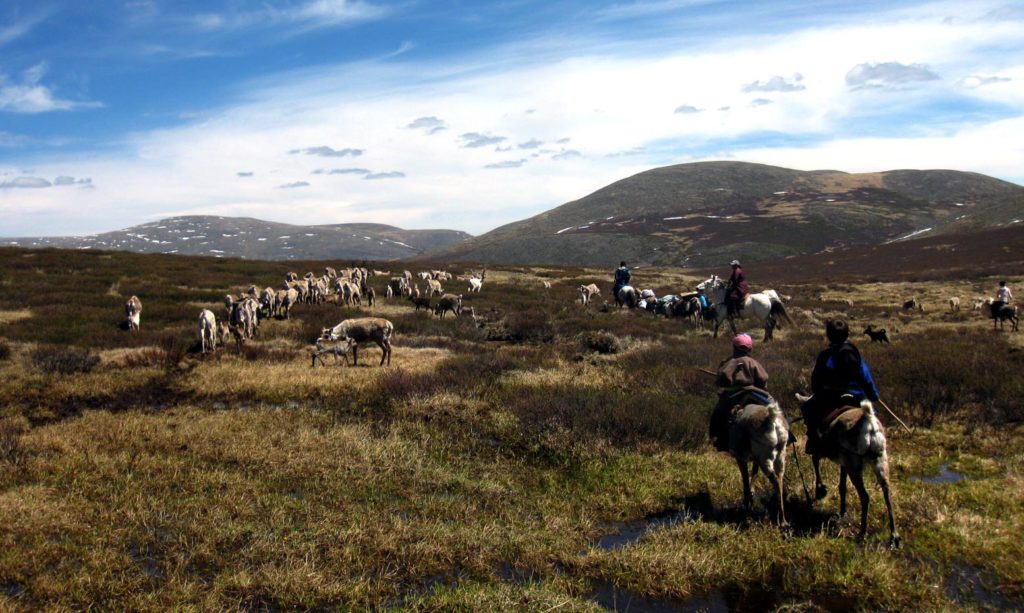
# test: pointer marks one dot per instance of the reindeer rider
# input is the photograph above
(736, 291)
(840, 378)
(1003, 297)
(622, 278)
(743, 381)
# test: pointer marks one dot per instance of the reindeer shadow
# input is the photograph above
(802, 517)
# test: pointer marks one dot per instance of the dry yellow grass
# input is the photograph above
(9, 317)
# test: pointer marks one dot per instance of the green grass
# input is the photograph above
(471, 474)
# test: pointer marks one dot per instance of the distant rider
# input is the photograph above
(736, 290)
(840, 378)
(622, 278)
(743, 381)
(1003, 297)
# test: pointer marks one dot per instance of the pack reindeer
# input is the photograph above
(766, 306)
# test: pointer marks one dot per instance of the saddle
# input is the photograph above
(745, 396)
(835, 415)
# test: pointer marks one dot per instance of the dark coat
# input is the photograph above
(738, 287)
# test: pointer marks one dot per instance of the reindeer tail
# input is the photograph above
(871, 441)
(780, 309)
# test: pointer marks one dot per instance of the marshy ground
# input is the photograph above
(560, 465)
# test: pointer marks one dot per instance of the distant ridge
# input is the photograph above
(256, 239)
(707, 213)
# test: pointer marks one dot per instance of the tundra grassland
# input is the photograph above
(546, 456)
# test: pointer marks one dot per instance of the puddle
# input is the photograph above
(11, 590)
(147, 563)
(968, 584)
(613, 598)
(627, 533)
(945, 476)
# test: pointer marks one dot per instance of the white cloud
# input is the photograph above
(567, 155)
(506, 164)
(473, 140)
(16, 30)
(887, 74)
(307, 14)
(26, 183)
(612, 103)
(30, 96)
(776, 84)
(429, 125)
(328, 152)
(975, 81)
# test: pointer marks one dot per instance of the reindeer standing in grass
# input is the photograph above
(842, 426)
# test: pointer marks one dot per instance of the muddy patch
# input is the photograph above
(944, 477)
(968, 584)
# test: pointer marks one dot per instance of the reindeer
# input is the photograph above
(853, 437)
(133, 313)
(363, 330)
(759, 434)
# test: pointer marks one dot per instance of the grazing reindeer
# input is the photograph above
(587, 293)
(877, 336)
(207, 330)
(853, 437)
(913, 304)
(340, 349)
(759, 434)
(363, 330)
(420, 302)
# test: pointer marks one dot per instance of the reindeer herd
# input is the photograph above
(244, 312)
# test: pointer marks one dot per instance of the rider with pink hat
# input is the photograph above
(743, 381)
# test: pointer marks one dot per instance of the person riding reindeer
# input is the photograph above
(840, 378)
(743, 381)
(736, 292)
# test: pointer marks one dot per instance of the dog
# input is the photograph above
(877, 336)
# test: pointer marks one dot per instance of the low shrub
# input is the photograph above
(254, 352)
(11, 449)
(64, 360)
(532, 325)
(5, 350)
(601, 342)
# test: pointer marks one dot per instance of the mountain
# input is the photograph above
(972, 255)
(259, 240)
(707, 213)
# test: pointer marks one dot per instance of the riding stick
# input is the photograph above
(894, 416)
(706, 371)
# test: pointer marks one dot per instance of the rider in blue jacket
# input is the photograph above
(840, 377)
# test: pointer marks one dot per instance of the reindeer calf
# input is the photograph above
(338, 350)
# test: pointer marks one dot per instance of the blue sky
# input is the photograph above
(469, 115)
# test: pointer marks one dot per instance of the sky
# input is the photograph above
(472, 114)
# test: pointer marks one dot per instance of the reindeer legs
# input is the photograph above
(857, 477)
(881, 468)
(748, 497)
(842, 491)
(820, 491)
